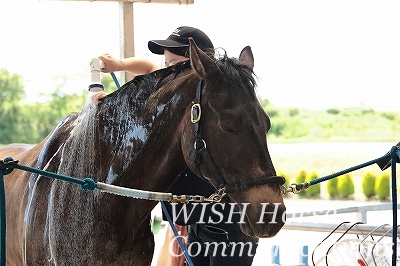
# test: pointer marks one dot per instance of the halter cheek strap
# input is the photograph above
(195, 117)
(200, 151)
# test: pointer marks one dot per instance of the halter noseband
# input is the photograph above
(200, 149)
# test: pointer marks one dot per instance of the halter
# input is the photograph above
(200, 148)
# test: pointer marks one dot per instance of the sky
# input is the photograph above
(315, 54)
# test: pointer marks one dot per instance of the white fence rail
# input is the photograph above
(346, 243)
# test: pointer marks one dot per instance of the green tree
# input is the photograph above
(345, 186)
(59, 104)
(368, 184)
(331, 187)
(382, 186)
(11, 94)
(109, 84)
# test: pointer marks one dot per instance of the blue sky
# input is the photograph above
(308, 53)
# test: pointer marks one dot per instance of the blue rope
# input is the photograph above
(115, 80)
(345, 171)
(183, 248)
(85, 184)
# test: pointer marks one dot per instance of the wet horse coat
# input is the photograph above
(141, 136)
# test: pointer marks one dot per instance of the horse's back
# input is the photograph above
(16, 150)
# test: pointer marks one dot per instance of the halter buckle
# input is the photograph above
(195, 114)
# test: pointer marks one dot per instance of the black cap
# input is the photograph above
(178, 41)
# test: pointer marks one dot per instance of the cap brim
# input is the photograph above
(158, 46)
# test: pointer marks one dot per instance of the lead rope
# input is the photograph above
(297, 188)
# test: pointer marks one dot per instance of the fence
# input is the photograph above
(347, 243)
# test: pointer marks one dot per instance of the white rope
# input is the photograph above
(134, 193)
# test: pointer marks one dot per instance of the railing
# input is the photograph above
(360, 211)
(345, 243)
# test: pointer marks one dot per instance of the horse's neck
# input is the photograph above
(148, 141)
(122, 141)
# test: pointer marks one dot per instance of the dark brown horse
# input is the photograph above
(142, 136)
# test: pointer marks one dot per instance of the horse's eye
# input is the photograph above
(231, 124)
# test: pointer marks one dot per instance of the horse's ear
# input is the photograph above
(246, 57)
(202, 63)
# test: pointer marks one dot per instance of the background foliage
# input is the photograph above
(30, 122)
(347, 124)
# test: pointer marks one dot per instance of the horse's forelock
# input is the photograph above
(236, 71)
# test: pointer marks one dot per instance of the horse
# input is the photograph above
(142, 136)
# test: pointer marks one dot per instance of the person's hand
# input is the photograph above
(96, 98)
(110, 63)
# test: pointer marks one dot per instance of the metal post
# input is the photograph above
(304, 255)
(275, 255)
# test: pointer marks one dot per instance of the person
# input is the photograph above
(209, 243)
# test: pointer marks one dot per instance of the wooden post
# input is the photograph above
(127, 39)
(127, 36)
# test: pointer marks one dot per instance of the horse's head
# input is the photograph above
(226, 141)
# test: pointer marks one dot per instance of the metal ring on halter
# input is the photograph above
(199, 148)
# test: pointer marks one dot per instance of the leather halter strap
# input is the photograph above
(200, 148)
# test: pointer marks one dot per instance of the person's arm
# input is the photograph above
(134, 65)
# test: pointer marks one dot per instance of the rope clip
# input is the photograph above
(295, 188)
(215, 197)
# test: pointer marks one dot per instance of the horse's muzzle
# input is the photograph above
(271, 218)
